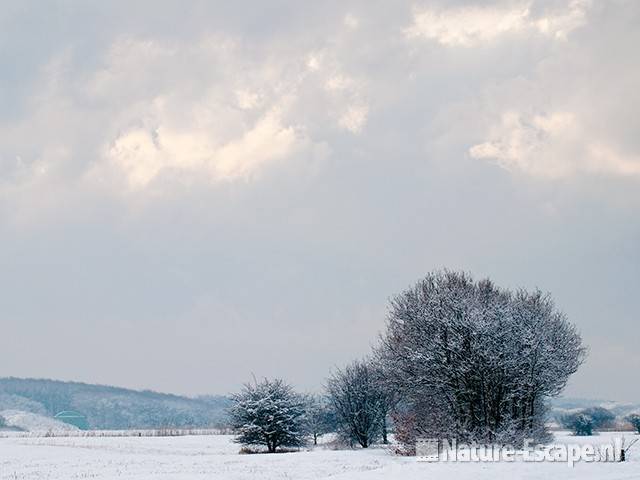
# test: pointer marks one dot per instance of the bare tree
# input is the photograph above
(355, 395)
(388, 398)
(320, 418)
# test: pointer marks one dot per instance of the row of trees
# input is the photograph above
(270, 413)
(460, 359)
(585, 421)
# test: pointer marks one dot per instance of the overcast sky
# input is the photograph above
(192, 192)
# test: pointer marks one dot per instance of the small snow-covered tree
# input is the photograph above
(579, 423)
(601, 417)
(320, 418)
(634, 419)
(358, 402)
(583, 422)
(269, 413)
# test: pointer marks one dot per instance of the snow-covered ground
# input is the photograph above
(216, 457)
(32, 422)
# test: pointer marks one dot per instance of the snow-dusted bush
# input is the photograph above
(475, 362)
(358, 402)
(601, 417)
(584, 421)
(579, 423)
(269, 413)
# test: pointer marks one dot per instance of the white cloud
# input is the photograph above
(347, 100)
(339, 82)
(247, 100)
(142, 155)
(138, 156)
(215, 107)
(267, 141)
(606, 159)
(219, 125)
(354, 118)
(190, 126)
(560, 24)
(314, 61)
(351, 21)
(466, 26)
(152, 110)
(473, 25)
(554, 145)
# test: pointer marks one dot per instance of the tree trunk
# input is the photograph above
(384, 430)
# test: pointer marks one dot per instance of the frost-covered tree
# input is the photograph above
(579, 423)
(269, 413)
(472, 361)
(586, 420)
(388, 399)
(355, 395)
(634, 419)
(602, 417)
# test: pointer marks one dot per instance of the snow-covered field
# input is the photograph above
(216, 457)
(31, 422)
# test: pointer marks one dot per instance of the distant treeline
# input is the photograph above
(113, 408)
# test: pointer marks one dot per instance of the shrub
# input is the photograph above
(634, 419)
(269, 414)
(579, 423)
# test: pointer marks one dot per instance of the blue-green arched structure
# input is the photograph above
(73, 418)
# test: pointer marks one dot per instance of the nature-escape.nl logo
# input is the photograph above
(435, 450)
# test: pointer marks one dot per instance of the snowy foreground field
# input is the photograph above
(216, 457)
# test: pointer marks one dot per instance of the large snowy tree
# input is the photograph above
(476, 362)
(358, 402)
(269, 413)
